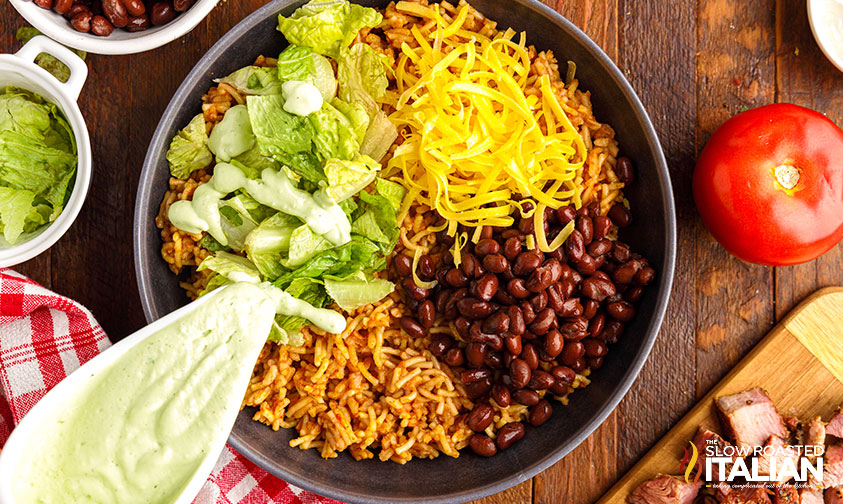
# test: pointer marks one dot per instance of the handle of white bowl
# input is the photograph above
(78, 68)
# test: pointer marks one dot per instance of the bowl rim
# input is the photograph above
(59, 29)
(821, 38)
(651, 332)
(48, 235)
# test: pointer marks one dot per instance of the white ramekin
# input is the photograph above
(821, 15)
(19, 70)
(121, 41)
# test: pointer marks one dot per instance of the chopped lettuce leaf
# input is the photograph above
(336, 134)
(254, 162)
(286, 137)
(287, 329)
(215, 282)
(347, 178)
(348, 207)
(37, 162)
(360, 254)
(233, 267)
(189, 149)
(392, 191)
(296, 63)
(254, 80)
(323, 77)
(357, 290)
(377, 221)
(379, 137)
(15, 210)
(356, 116)
(236, 222)
(327, 26)
(212, 245)
(267, 244)
(304, 244)
(362, 77)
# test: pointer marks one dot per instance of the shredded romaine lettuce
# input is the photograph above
(357, 290)
(188, 150)
(327, 26)
(254, 80)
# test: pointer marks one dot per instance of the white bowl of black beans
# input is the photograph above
(114, 26)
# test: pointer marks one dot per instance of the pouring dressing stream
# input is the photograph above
(145, 421)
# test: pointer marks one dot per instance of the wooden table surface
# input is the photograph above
(693, 63)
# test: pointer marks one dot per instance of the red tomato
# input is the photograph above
(769, 185)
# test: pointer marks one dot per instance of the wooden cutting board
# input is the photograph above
(799, 363)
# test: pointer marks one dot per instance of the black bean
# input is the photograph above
(530, 356)
(540, 380)
(597, 289)
(454, 357)
(512, 247)
(526, 262)
(625, 170)
(487, 286)
(473, 308)
(586, 228)
(540, 413)
(497, 323)
(645, 276)
(565, 214)
(480, 417)
(475, 353)
(573, 351)
(595, 347)
(574, 328)
(544, 319)
(526, 397)
(519, 373)
(456, 278)
(563, 374)
(602, 227)
(554, 342)
(517, 288)
(482, 445)
(621, 310)
(596, 324)
(509, 434)
(161, 13)
(486, 247)
(496, 263)
(513, 344)
(501, 395)
(440, 344)
(620, 215)
(575, 246)
(412, 327)
(413, 290)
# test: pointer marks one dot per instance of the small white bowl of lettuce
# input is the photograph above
(45, 152)
(295, 198)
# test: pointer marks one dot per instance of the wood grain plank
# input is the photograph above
(736, 69)
(519, 494)
(805, 77)
(768, 367)
(657, 44)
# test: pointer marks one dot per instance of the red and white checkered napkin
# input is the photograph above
(44, 337)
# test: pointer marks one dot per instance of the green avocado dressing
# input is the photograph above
(233, 135)
(138, 429)
(274, 189)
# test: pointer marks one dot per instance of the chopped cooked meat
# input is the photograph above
(785, 494)
(703, 440)
(750, 418)
(833, 495)
(810, 496)
(832, 467)
(791, 422)
(664, 489)
(812, 434)
(835, 425)
(777, 449)
(747, 495)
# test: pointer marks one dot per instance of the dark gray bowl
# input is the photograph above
(443, 479)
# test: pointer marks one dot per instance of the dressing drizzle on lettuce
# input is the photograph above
(332, 153)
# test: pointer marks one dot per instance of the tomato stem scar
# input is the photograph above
(787, 175)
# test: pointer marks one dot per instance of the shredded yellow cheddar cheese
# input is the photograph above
(473, 137)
